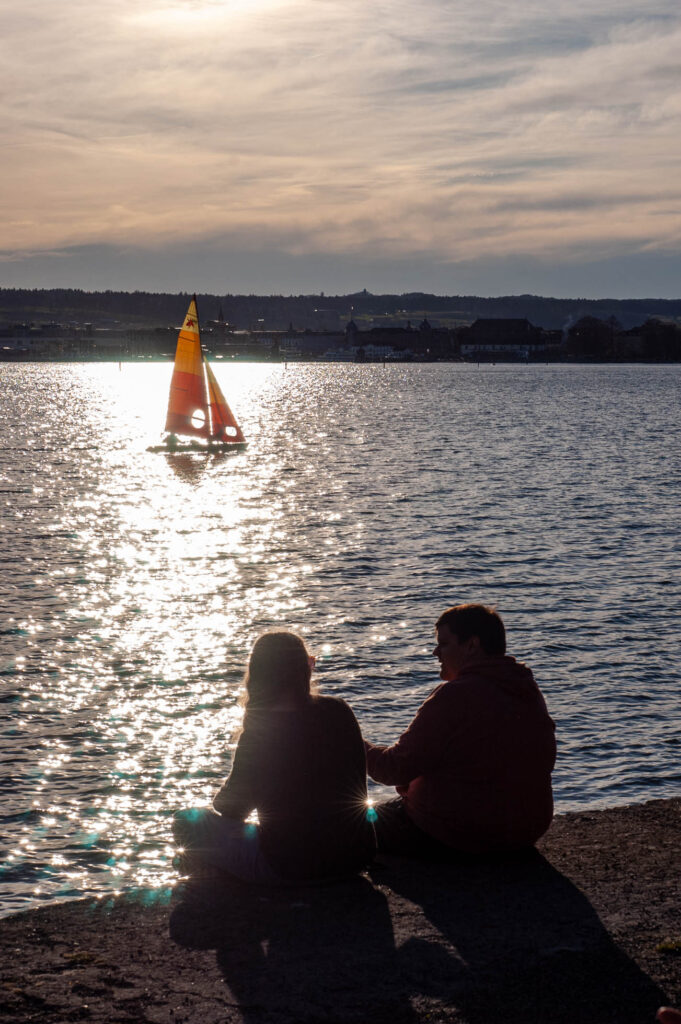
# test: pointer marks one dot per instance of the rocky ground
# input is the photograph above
(587, 930)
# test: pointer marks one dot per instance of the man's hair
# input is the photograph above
(467, 620)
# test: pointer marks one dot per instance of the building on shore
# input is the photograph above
(484, 340)
(516, 339)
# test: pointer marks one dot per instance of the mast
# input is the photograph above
(206, 387)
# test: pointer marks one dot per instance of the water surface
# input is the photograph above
(368, 500)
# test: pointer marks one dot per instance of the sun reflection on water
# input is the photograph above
(162, 580)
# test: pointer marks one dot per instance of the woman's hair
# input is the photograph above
(467, 620)
(279, 666)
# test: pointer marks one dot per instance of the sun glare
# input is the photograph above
(187, 16)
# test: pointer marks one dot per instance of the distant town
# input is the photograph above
(71, 325)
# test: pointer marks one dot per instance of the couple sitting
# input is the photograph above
(473, 770)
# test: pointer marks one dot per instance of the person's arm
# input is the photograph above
(236, 797)
(419, 749)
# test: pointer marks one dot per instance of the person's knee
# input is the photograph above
(179, 826)
(186, 821)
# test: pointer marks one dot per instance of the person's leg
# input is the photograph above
(223, 843)
(396, 833)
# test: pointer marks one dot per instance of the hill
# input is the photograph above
(331, 312)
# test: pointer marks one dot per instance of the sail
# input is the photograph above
(188, 405)
(196, 405)
(224, 425)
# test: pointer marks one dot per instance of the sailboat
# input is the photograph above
(196, 405)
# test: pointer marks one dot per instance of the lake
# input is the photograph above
(368, 500)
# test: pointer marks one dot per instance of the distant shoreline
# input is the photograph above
(226, 361)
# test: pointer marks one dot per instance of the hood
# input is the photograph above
(505, 672)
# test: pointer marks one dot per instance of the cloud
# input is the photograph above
(387, 131)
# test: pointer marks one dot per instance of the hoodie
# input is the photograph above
(474, 767)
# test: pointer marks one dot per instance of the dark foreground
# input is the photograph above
(588, 930)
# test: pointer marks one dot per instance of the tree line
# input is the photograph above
(276, 312)
(655, 339)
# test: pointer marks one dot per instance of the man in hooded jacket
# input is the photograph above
(473, 770)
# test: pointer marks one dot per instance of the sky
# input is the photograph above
(299, 146)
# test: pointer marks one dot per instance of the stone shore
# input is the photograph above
(585, 931)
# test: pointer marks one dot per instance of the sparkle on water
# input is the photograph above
(368, 499)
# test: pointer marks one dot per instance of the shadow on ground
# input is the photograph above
(303, 954)
(474, 942)
(518, 942)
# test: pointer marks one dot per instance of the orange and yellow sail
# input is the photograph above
(197, 406)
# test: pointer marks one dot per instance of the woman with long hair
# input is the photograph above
(300, 764)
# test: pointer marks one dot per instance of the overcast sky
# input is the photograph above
(452, 146)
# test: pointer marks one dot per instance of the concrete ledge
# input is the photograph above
(587, 930)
